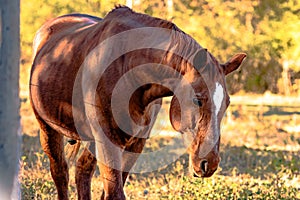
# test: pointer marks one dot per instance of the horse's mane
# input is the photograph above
(122, 18)
(123, 14)
(124, 11)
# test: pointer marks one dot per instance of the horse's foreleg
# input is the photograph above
(112, 183)
(109, 162)
(85, 168)
(130, 155)
(52, 144)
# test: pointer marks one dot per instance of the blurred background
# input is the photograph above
(261, 130)
(268, 31)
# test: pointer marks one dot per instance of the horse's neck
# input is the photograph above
(157, 78)
(152, 65)
(170, 65)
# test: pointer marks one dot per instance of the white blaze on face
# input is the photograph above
(213, 133)
(218, 97)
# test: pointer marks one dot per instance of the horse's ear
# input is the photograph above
(200, 59)
(233, 63)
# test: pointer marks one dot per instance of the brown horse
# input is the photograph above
(102, 81)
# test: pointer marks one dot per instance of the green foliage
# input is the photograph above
(267, 30)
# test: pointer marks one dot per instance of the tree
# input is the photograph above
(9, 97)
(266, 30)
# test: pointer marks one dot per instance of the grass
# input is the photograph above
(259, 151)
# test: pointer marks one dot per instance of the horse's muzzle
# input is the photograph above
(206, 169)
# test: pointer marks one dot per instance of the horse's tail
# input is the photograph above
(71, 150)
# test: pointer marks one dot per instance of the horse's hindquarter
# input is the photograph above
(59, 55)
(59, 25)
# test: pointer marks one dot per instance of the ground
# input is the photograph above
(260, 144)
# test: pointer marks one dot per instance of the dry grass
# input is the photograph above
(260, 160)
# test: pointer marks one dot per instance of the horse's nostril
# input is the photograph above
(204, 166)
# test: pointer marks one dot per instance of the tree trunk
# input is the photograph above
(9, 98)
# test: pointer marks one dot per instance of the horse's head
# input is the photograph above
(197, 109)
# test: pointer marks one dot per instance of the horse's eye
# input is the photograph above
(197, 102)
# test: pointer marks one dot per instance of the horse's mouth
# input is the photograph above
(201, 174)
(204, 171)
